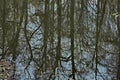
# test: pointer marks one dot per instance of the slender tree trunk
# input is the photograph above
(45, 34)
(25, 4)
(72, 36)
(118, 26)
(97, 37)
(15, 38)
(3, 27)
(58, 48)
(59, 32)
(52, 25)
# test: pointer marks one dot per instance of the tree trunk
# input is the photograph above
(45, 35)
(118, 26)
(97, 37)
(59, 32)
(72, 36)
(25, 31)
(3, 28)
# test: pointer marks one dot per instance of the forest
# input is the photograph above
(59, 39)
